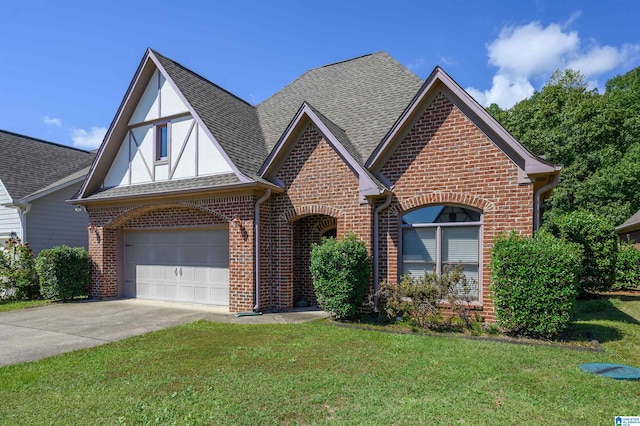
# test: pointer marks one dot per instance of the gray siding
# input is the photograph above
(9, 218)
(52, 222)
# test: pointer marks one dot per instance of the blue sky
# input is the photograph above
(65, 66)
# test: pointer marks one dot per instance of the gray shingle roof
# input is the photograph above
(28, 165)
(360, 99)
(630, 224)
(362, 96)
(232, 121)
(169, 186)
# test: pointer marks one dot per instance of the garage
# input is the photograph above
(178, 265)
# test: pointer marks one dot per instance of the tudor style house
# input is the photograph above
(198, 196)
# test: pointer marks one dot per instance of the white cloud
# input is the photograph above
(88, 140)
(505, 91)
(51, 121)
(532, 52)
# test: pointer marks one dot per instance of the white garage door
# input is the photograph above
(184, 266)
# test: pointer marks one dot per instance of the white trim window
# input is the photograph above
(435, 236)
(162, 141)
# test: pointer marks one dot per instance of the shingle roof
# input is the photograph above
(363, 96)
(630, 224)
(28, 164)
(168, 186)
(232, 121)
(359, 100)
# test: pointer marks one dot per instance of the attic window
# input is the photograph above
(162, 142)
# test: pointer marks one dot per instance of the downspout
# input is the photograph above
(24, 211)
(256, 221)
(536, 200)
(376, 226)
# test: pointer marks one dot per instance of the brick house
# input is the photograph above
(197, 196)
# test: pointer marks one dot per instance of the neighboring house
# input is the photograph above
(630, 229)
(198, 196)
(36, 179)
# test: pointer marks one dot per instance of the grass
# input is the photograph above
(21, 304)
(315, 373)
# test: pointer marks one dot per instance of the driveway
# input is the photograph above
(32, 334)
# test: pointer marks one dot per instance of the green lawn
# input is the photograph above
(314, 373)
(23, 304)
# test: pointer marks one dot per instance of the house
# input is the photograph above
(630, 229)
(36, 179)
(198, 196)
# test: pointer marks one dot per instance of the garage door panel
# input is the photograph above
(188, 266)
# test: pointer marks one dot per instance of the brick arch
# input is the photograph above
(444, 197)
(135, 212)
(325, 224)
(309, 209)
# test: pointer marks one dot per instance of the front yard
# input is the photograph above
(210, 373)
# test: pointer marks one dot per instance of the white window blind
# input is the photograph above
(460, 244)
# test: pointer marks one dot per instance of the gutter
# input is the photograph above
(376, 226)
(536, 200)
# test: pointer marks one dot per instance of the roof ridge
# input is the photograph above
(346, 60)
(301, 76)
(155, 52)
(43, 141)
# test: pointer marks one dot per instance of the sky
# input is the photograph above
(65, 66)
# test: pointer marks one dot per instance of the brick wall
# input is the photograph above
(446, 159)
(319, 185)
(106, 226)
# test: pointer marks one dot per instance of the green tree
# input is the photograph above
(596, 137)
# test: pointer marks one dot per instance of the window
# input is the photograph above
(435, 236)
(162, 142)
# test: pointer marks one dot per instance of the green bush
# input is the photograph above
(535, 283)
(340, 271)
(599, 240)
(18, 278)
(627, 268)
(64, 272)
(422, 300)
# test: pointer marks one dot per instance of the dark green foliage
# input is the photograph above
(340, 271)
(628, 268)
(535, 283)
(596, 137)
(18, 278)
(599, 240)
(422, 301)
(64, 272)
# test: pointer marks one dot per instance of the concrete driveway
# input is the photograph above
(32, 334)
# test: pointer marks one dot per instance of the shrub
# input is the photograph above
(18, 278)
(340, 271)
(422, 300)
(627, 267)
(64, 272)
(599, 240)
(535, 283)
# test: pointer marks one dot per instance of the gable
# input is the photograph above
(333, 135)
(158, 100)
(314, 171)
(161, 139)
(530, 166)
(443, 145)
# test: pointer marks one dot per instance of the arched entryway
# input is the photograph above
(308, 230)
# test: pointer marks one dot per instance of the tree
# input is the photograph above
(595, 137)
